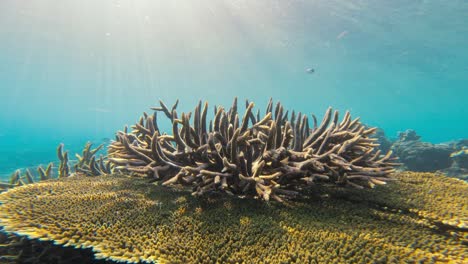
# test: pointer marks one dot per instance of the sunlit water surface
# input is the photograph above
(73, 71)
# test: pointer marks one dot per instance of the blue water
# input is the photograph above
(73, 71)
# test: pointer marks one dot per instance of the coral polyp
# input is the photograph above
(270, 156)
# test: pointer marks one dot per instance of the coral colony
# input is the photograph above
(273, 156)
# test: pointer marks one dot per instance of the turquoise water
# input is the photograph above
(73, 71)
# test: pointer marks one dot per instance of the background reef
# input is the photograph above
(450, 158)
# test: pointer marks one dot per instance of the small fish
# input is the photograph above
(310, 70)
(342, 34)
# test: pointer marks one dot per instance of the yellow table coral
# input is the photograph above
(418, 217)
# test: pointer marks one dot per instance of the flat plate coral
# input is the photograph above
(419, 217)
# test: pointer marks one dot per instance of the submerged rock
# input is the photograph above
(419, 217)
(408, 135)
(459, 167)
(450, 158)
(421, 156)
(385, 144)
(460, 158)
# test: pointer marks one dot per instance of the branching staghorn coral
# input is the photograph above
(86, 164)
(89, 165)
(270, 156)
(64, 169)
(16, 179)
(43, 174)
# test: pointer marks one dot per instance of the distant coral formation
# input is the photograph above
(421, 217)
(385, 144)
(450, 158)
(89, 165)
(269, 156)
(86, 164)
(459, 157)
(421, 156)
(460, 154)
(19, 179)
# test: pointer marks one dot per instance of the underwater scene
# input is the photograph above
(233, 131)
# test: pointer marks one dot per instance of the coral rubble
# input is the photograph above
(271, 156)
(421, 217)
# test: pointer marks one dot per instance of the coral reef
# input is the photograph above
(422, 194)
(421, 217)
(421, 156)
(459, 144)
(408, 135)
(385, 144)
(14, 249)
(272, 156)
(43, 174)
(88, 164)
(459, 167)
(450, 158)
(460, 157)
(16, 179)
(64, 168)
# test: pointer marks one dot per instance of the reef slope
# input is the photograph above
(418, 217)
